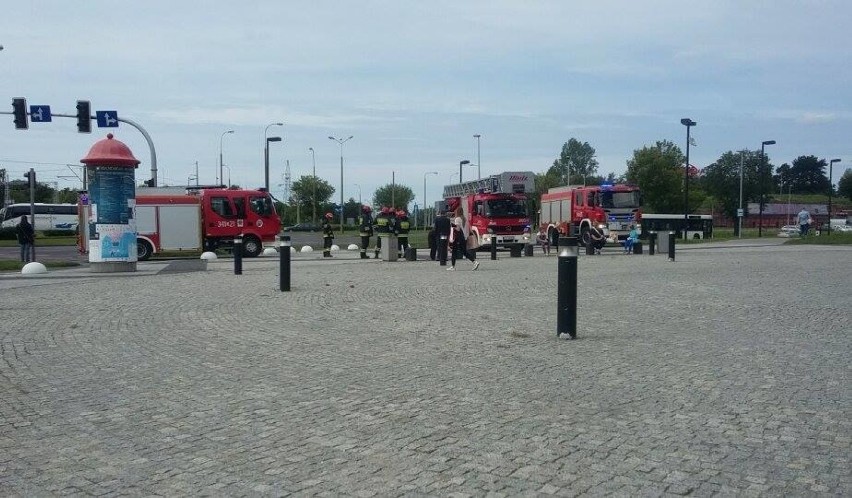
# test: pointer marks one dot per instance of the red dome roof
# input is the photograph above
(110, 152)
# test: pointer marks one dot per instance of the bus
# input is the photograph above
(47, 216)
(699, 226)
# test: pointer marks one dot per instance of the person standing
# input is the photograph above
(442, 235)
(365, 229)
(26, 238)
(382, 228)
(327, 235)
(804, 222)
(402, 228)
(458, 241)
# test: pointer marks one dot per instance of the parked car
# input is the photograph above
(303, 227)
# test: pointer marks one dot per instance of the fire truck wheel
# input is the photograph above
(251, 247)
(143, 250)
(585, 236)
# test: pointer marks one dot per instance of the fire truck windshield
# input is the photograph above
(261, 205)
(610, 199)
(497, 208)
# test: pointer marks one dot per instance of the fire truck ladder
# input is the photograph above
(489, 184)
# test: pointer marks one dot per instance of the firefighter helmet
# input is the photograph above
(401, 213)
(385, 210)
(366, 208)
(329, 216)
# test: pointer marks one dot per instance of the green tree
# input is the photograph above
(783, 178)
(576, 162)
(657, 170)
(396, 196)
(808, 175)
(844, 186)
(722, 180)
(19, 190)
(303, 195)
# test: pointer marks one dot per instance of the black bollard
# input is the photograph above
(442, 250)
(238, 255)
(493, 247)
(671, 246)
(284, 263)
(652, 243)
(566, 293)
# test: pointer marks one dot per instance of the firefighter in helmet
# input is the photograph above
(402, 228)
(327, 235)
(365, 228)
(382, 228)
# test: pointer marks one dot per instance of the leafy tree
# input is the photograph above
(808, 175)
(783, 178)
(722, 180)
(576, 162)
(393, 195)
(19, 190)
(303, 192)
(844, 186)
(657, 172)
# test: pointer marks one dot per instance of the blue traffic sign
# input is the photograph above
(40, 114)
(107, 119)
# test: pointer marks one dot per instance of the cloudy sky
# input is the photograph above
(414, 81)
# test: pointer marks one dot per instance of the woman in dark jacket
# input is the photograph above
(26, 237)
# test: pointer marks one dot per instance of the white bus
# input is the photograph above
(699, 226)
(47, 216)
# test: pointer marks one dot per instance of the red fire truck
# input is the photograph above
(178, 219)
(496, 207)
(573, 210)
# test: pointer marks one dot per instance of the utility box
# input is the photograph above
(390, 247)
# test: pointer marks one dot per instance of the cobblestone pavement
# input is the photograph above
(726, 372)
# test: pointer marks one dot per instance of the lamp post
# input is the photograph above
(689, 124)
(830, 188)
(314, 183)
(462, 163)
(478, 158)
(229, 175)
(359, 192)
(341, 141)
(221, 178)
(266, 151)
(424, 195)
(762, 183)
(741, 213)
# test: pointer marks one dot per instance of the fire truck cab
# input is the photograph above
(495, 207)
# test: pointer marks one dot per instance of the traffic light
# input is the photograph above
(19, 108)
(84, 116)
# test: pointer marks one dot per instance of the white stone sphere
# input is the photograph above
(307, 249)
(353, 247)
(33, 268)
(209, 256)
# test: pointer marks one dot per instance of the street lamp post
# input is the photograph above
(830, 188)
(478, 158)
(424, 195)
(314, 183)
(462, 163)
(341, 141)
(741, 213)
(689, 124)
(229, 175)
(762, 183)
(221, 178)
(359, 193)
(266, 152)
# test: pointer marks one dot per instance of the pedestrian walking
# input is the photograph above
(442, 235)
(327, 235)
(804, 222)
(458, 241)
(26, 238)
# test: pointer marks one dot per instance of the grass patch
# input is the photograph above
(8, 265)
(836, 238)
(44, 241)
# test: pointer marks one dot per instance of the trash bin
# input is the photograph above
(663, 242)
(390, 247)
(528, 250)
(637, 247)
(411, 254)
